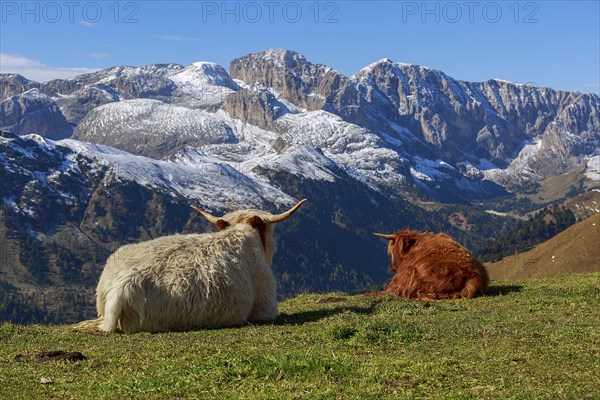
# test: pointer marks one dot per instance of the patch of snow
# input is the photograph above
(519, 167)
(202, 83)
(155, 118)
(11, 202)
(498, 213)
(592, 171)
(302, 161)
(506, 82)
(44, 144)
(327, 131)
(391, 140)
(430, 170)
(420, 175)
(212, 184)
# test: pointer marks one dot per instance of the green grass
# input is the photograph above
(535, 339)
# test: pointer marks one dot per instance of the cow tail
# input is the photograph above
(473, 287)
(92, 325)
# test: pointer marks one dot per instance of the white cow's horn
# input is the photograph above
(211, 218)
(388, 236)
(285, 215)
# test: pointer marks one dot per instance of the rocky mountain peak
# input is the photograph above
(280, 58)
(292, 77)
(286, 73)
(14, 84)
(34, 112)
(207, 73)
(364, 73)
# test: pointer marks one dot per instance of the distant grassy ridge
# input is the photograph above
(575, 250)
(527, 339)
(560, 186)
(585, 205)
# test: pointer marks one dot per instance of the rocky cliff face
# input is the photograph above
(14, 84)
(292, 77)
(257, 107)
(491, 120)
(33, 112)
(287, 73)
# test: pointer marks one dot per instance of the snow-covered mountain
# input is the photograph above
(492, 122)
(399, 128)
(205, 181)
(152, 128)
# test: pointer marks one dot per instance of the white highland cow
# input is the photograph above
(185, 282)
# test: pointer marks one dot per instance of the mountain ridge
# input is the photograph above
(510, 134)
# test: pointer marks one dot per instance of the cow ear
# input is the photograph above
(222, 224)
(406, 243)
(260, 225)
(257, 223)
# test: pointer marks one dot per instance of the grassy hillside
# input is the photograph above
(560, 186)
(541, 226)
(534, 339)
(575, 250)
(585, 204)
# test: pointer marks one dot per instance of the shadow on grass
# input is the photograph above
(300, 318)
(503, 290)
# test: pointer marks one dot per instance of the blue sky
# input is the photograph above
(546, 43)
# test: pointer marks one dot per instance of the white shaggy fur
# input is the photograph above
(185, 282)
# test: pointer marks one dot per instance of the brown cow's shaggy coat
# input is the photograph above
(431, 267)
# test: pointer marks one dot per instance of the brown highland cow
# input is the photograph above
(432, 267)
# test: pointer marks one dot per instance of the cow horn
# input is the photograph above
(285, 215)
(211, 218)
(388, 236)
